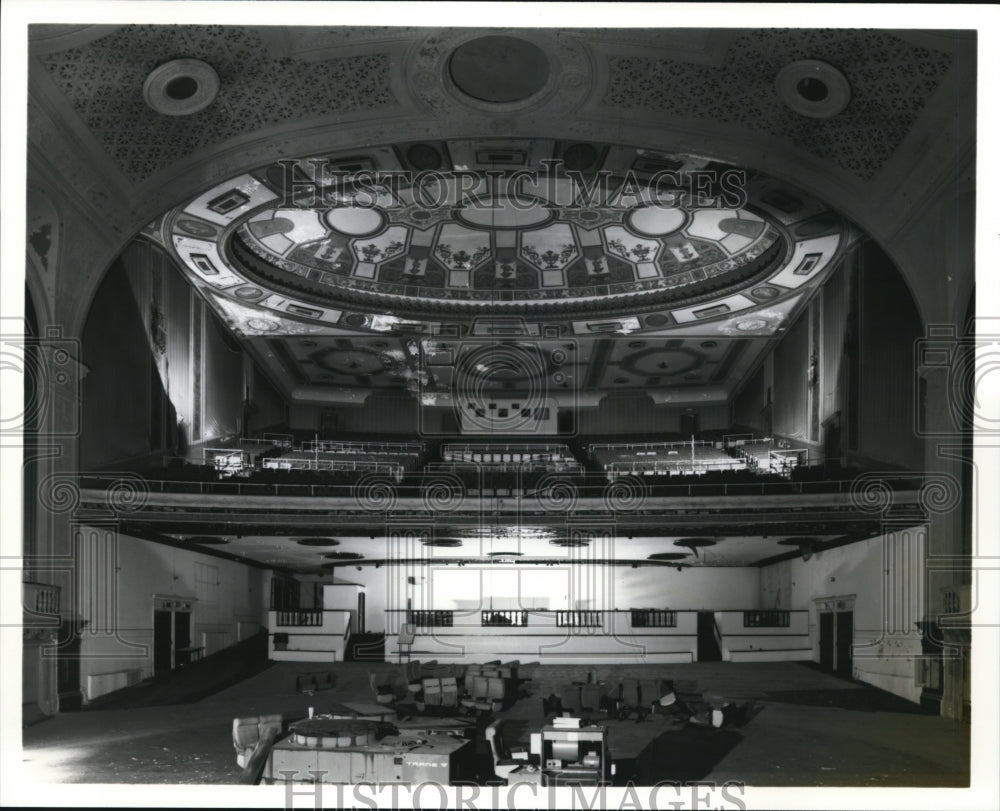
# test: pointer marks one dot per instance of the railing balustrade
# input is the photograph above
(41, 598)
(653, 618)
(504, 617)
(298, 619)
(766, 619)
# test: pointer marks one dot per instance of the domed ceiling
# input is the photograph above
(529, 237)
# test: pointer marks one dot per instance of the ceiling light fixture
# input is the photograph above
(813, 88)
(181, 87)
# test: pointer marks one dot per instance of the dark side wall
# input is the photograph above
(124, 404)
(842, 378)
(151, 345)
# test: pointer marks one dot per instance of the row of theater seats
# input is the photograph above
(663, 458)
(620, 700)
(391, 459)
(757, 454)
(506, 454)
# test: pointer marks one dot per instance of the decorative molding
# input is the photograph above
(570, 78)
(103, 81)
(734, 94)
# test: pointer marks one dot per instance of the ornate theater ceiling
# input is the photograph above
(503, 238)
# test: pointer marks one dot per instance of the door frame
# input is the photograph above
(175, 605)
(837, 604)
(698, 639)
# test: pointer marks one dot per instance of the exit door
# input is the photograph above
(171, 634)
(836, 640)
(163, 642)
(708, 645)
(826, 632)
(845, 641)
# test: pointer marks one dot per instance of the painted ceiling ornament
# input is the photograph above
(533, 240)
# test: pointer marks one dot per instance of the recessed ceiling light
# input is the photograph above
(181, 87)
(207, 540)
(813, 88)
(693, 543)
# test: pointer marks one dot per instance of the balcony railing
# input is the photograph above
(588, 486)
(432, 619)
(766, 619)
(41, 598)
(504, 618)
(653, 618)
(298, 619)
(578, 619)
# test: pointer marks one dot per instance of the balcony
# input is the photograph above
(40, 599)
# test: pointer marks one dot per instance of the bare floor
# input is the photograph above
(803, 728)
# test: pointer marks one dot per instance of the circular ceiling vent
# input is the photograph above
(813, 88)
(446, 543)
(343, 556)
(694, 543)
(318, 542)
(668, 556)
(181, 87)
(207, 540)
(798, 542)
(570, 543)
(499, 69)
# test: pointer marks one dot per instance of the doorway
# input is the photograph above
(163, 642)
(708, 644)
(836, 639)
(826, 653)
(844, 664)
(68, 666)
(171, 634)
(689, 425)
(832, 450)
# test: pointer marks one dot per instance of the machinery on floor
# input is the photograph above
(566, 752)
(352, 744)
(331, 750)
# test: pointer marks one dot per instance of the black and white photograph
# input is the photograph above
(568, 405)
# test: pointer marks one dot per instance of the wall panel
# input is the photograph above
(791, 367)
(889, 327)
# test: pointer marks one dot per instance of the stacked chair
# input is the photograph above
(449, 689)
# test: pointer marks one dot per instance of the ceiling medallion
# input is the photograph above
(499, 69)
(181, 87)
(813, 88)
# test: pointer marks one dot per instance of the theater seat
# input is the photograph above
(503, 763)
